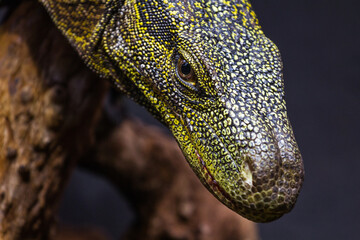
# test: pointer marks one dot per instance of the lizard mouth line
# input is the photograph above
(210, 180)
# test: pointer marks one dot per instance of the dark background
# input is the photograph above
(319, 42)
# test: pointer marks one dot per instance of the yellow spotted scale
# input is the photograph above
(206, 70)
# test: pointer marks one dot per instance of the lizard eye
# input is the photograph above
(185, 72)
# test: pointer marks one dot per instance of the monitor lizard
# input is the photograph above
(206, 70)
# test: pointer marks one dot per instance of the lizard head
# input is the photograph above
(206, 70)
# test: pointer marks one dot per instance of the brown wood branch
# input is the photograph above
(49, 104)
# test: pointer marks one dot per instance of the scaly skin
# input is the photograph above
(207, 71)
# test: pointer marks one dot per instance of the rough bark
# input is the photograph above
(50, 104)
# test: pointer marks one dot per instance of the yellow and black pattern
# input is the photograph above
(207, 71)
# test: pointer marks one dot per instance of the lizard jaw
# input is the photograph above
(252, 212)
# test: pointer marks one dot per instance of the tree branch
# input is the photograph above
(49, 105)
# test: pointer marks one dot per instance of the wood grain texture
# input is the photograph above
(49, 102)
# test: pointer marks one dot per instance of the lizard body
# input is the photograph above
(206, 70)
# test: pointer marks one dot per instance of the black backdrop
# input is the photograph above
(319, 41)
